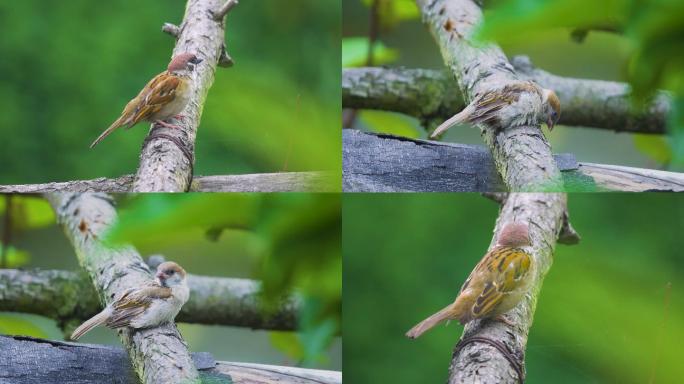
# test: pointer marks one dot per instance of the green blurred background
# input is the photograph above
(602, 316)
(541, 29)
(69, 67)
(291, 242)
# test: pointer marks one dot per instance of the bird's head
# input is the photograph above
(552, 107)
(183, 63)
(514, 235)
(170, 274)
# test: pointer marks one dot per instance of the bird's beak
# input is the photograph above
(549, 122)
(160, 276)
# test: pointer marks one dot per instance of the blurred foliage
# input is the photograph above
(13, 324)
(28, 211)
(355, 52)
(610, 309)
(20, 213)
(69, 68)
(653, 28)
(297, 238)
(391, 12)
(389, 122)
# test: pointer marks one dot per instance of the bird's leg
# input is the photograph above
(167, 125)
(180, 117)
(505, 320)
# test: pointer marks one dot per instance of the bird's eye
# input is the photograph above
(170, 272)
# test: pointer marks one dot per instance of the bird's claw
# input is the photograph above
(167, 125)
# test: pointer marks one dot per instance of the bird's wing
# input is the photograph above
(499, 273)
(133, 303)
(491, 102)
(160, 91)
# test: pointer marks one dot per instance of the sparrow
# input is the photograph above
(164, 96)
(501, 108)
(146, 307)
(496, 285)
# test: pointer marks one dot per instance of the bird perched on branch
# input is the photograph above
(496, 285)
(166, 95)
(145, 307)
(516, 104)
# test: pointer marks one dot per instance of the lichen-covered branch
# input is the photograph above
(159, 355)
(262, 182)
(167, 157)
(27, 360)
(433, 94)
(69, 298)
(522, 154)
(386, 163)
(480, 362)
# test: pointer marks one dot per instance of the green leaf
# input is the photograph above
(655, 147)
(355, 52)
(390, 122)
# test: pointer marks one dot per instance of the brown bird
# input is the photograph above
(501, 108)
(164, 96)
(144, 307)
(496, 285)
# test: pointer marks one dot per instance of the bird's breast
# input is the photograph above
(175, 106)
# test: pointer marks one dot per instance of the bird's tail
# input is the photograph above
(425, 325)
(458, 118)
(107, 132)
(93, 322)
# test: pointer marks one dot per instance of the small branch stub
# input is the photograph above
(171, 29)
(223, 11)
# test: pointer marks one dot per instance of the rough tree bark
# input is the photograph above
(433, 95)
(476, 360)
(158, 355)
(167, 157)
(60, 362)
(264, 182)
(521, 154)
(386, 163)
(69, 298)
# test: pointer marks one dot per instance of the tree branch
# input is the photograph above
(386, 163)
(60, 362)
(434, 95)
(478, 361)
(69, 298)
(264, 182)
(167, 156)
(521, 154)
(159, 355)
